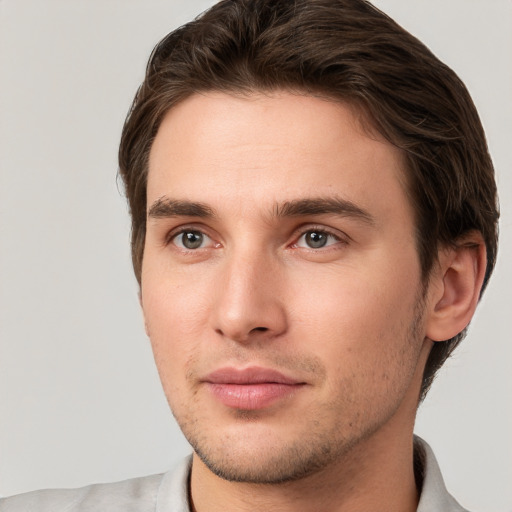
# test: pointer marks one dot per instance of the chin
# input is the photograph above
(269, 469)
(265, 459)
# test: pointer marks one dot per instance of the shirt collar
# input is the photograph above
(434, 495)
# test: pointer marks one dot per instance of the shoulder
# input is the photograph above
(145, 494)
(135, 495)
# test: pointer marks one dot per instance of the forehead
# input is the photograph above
(270, 147)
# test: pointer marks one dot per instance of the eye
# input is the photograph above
(191, 239)
(316, 239)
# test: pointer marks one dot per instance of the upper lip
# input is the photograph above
(251, 375)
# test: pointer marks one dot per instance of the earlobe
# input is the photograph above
(460, 274)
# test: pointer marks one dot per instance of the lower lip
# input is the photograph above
(250, 397)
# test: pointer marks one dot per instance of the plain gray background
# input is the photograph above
(80, 399)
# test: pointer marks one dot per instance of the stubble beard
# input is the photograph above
(309, 453)
(291, 462)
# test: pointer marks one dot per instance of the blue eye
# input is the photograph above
(316, 239)
(190, 239)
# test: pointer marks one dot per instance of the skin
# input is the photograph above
(349, 320)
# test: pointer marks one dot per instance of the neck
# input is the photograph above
(370, 477)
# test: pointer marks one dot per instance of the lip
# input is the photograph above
(250, 388)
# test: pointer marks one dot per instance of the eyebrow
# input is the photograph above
(166, 207)
(322, 206)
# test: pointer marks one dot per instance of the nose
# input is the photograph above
(248, 305)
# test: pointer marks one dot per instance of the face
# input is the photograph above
(280, 283)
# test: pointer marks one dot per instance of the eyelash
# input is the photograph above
(321, 230)
(300, 233)
(173, 235)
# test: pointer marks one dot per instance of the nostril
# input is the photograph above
(260, 329)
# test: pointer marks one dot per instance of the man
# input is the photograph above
(314, 220)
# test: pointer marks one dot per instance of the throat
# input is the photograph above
(351, 485)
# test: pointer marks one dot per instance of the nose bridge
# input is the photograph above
(249, 300)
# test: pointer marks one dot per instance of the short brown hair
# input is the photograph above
(349, 51)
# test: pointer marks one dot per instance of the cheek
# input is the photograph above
(173, 301)
(175, 314)
(354, 322)
(350, 303)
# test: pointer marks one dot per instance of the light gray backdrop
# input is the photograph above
(80, 400)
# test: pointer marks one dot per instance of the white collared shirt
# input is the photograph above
(168, 492)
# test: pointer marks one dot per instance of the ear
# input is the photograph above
(455, 286)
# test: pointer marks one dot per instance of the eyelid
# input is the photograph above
(176, 231)
(340, 236)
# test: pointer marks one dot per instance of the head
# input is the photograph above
(346, 51)
(239, 87)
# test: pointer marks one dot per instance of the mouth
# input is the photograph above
(250, 388)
